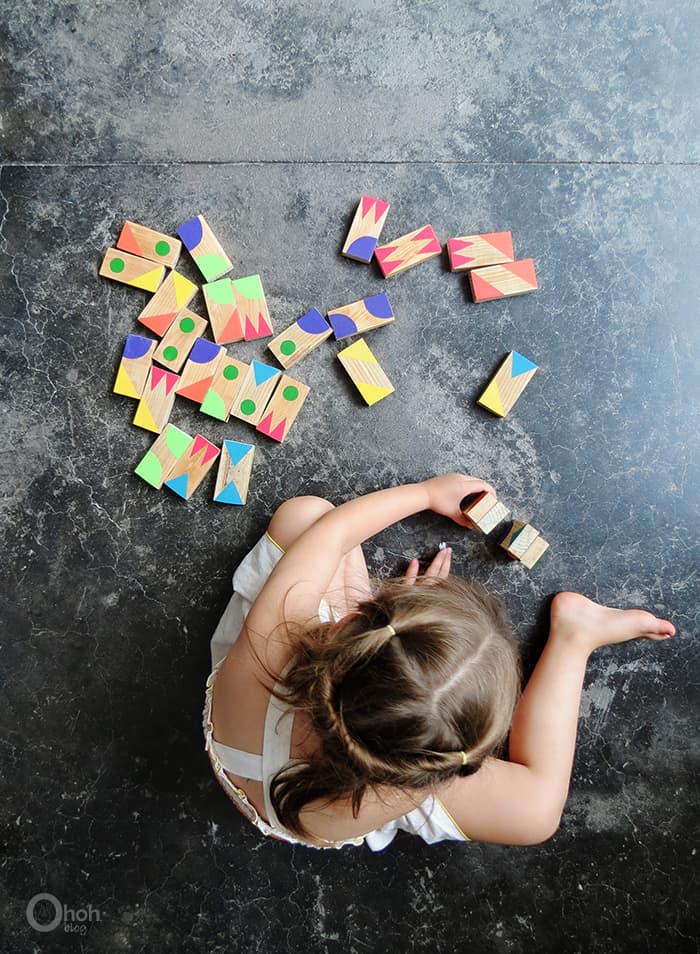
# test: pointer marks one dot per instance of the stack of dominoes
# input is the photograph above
(520, 540)
(185, 363)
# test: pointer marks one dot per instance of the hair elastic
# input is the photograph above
(391, 629)
(465, 760)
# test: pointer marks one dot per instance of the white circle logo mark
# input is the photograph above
(58, 912)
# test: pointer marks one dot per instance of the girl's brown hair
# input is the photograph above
(399, 710)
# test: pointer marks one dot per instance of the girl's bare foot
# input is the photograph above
(575, 617)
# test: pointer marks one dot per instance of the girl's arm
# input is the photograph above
(302, 576)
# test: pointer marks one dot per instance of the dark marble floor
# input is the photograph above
(576, 126)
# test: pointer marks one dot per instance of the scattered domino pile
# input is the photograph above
(186, 364)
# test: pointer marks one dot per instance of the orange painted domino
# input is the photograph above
(407, 251)
(477, 251)
(503, 281)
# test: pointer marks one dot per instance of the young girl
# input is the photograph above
(339, 711)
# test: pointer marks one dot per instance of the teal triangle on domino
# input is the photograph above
(263, 372)
(179, 485)
(237, 450)
(521, 365)
(229, 495)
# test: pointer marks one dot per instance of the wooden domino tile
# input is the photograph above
(503, 281)
(476, 251)
(534, 552)
(191, 469)
(252, 307)
(307, 333)
(233, 477)
(255, 392)
(179, 339)
(157, 464)
(174, 294)
(407, 251)
(149, 244)
(157, 399)
(204, 247)
(131, 270)
(134, 366)
(224, 388)
(484, 510)
(200, 369)
(507, 384)
(365, 229)
(222, 309)
(283, 407)
(365, 371)
(363, 315)
(517, 538)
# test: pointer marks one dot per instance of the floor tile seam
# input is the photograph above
(160, 163)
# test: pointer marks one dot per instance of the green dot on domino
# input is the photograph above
(170, 353)
(162, 248)
(230, 372)
(290, 393)
(288, 347)
(186, 325)
(117, 265)
(247, 407)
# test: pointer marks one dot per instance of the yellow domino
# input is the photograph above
(365, 371)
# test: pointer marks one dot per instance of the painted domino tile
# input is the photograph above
(363, 315)
(222, 309)
(507, 384)
(282, 410)
(179, 339)
(204, 247)
(200, 369)
(131, 270)
(224, 388)
(365, 229)
(258, 385)
(307, 333)
(155, 246)
(503, 281)
(252, 307)
(407, 251)
(233, 477)
(156, 403)
(365, 371)
(156, 465)
(191, 469)
(134, 366)
(174, 294)
(475, 251)
(484, 510)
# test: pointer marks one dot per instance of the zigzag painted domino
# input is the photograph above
(365, 371)
(204, 247)
(476, 251)
(131, 270)
(191, 469)
(252, 307)
(363, 315)
(157, 399)
(149, 244)
(365, 229)
(233, 477)
(503, 281)
(283, 407)
(157, 464)
(200, 369)
(179, 340)
(407, 251)
(174, 294)
(295, 342)
(258, 385)
(507, 384)
(134, 366)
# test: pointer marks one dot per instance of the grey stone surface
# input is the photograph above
(110, 590)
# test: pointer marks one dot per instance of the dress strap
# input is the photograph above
(277, 743)
(245, 764)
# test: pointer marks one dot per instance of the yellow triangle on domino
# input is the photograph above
(491, 399)
(144, 418)
(372, 392)
(149, 281)
(124, 385)
(184, 289)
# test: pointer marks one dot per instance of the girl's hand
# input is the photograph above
(445, 494)
(439, 567)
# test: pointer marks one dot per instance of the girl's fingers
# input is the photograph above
(440, 565)
(411, 574)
